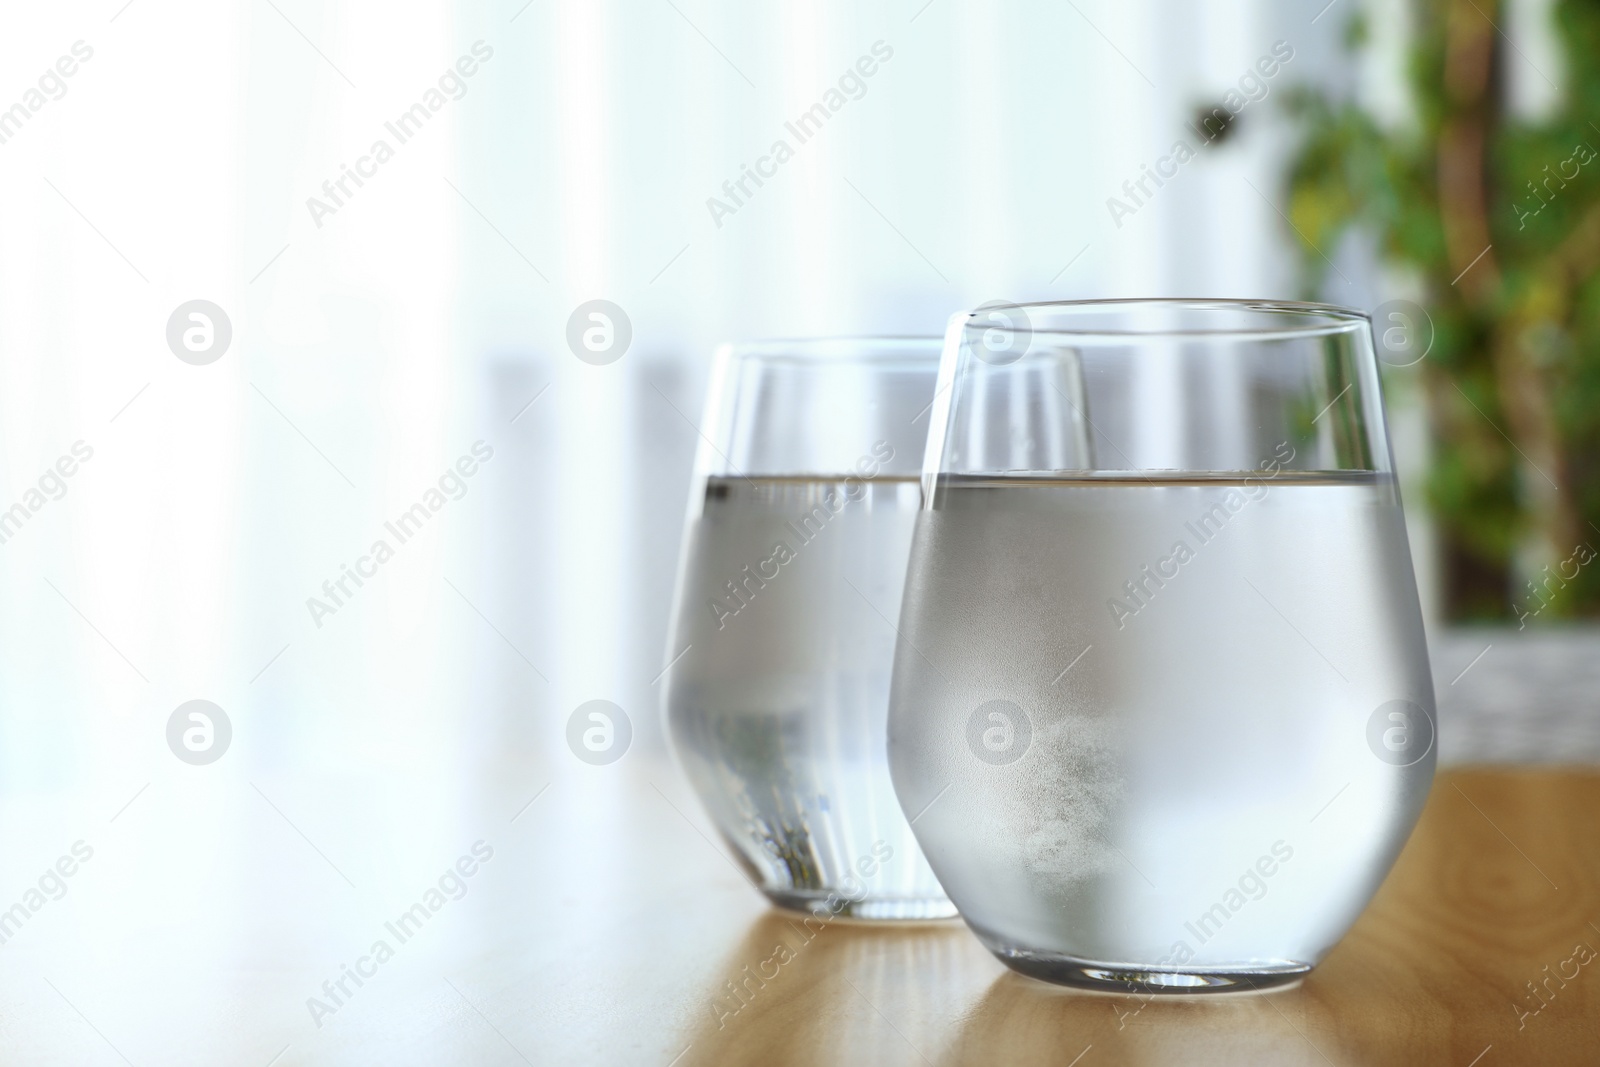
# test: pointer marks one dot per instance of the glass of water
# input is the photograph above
(805, 493)
(1161, 698)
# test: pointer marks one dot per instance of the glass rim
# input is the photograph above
(838, 348)
(1318, 319)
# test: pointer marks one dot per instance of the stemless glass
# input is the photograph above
(1161, 696)
(800, 517)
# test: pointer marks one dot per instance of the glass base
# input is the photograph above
(1132, 978)
(868, 908)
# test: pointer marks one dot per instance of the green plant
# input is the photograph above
(1499, 219)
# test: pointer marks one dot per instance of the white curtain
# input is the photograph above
(378, 335)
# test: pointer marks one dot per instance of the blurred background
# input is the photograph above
(1432, 160)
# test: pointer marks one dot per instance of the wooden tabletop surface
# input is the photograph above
(607, 924)
(1497, 888)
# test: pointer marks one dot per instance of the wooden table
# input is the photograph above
(1500, 881)
(606, 925)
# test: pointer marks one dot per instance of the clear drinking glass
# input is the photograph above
(800, 516)
(1161, 697)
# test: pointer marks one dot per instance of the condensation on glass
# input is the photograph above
(805, 494)
(1162, 660)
